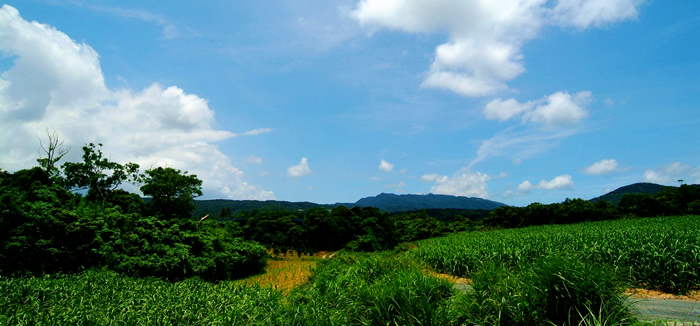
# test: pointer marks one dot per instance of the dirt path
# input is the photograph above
(649, 305)
(686, 312)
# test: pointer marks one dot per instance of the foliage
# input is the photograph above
(47, 229)
(662, 253)
(371, 290)
(97, 174)
(172, 192)
(556, 289)
(105, 298)
(614, 196)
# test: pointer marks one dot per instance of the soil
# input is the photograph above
(651, 294)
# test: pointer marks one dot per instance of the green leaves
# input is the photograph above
(172, 191)
(97, 174)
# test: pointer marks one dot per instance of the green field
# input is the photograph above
(659, 253)
(565, 275)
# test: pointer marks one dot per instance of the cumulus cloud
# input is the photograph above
(385, 166)
(499, 109)
(485, 37)
(300, 169)
(602, 167)
(560, 109)
(559, 182)
(671, 173)
(464, 183)
(57, 83)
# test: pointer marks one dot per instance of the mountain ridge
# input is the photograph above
(636, 188)
(391, 203)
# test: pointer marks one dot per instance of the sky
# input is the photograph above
(326, 101)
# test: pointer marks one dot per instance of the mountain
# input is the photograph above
(635, 188)
(401, 203)
(214, 206)
(386, 202)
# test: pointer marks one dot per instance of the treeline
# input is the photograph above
(356, 229)
(669, 202)
(74, 217)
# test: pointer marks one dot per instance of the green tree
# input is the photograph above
(97, 174)
(172, 191)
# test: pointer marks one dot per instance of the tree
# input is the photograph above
(172, 191)
(97, 174)
(53, 152)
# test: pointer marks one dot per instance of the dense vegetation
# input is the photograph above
(356, 229)
(670, 201)
(661, 253)
(614, 196)
(563, 285)
(73, 218)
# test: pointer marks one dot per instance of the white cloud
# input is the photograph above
(560, 109)
(485, 37)
(586, 13)
(385, 166)
(300, 169)
(464, 183)
(58, 83)
(397, 187)
(602, 167)
(553, 111)
(499, 109)
(559, 182)
(253, 159)
(670, 174)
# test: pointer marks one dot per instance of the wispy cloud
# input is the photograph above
(519, 144)
(170, 29)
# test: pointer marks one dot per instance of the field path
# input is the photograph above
(667, 310)
(685, 312)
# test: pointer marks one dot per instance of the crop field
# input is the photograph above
(561, 275)
(656, 253)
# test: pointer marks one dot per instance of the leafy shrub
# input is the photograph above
(556, 289)
(371, 290)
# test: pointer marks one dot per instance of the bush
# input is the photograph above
(556, 289)
(371, 290)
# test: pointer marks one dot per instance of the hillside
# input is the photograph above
(214, 206)
(400, 203)
(635, 188)
(386, 202)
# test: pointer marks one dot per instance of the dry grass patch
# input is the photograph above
(652, 294)
(284, 272)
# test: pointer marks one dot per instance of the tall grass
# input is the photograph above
(658, 253)
(105, 298)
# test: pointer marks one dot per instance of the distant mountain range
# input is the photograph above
(393, 203)
(635, 188)
(401, 203)
(386, 202)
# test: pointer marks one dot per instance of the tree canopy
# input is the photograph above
(172, 191)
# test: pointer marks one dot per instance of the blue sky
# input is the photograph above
(517, 101)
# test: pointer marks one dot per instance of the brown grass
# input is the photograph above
(285, 272)
(651, 294)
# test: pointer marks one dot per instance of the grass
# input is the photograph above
(285, 272)
(655, 253)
